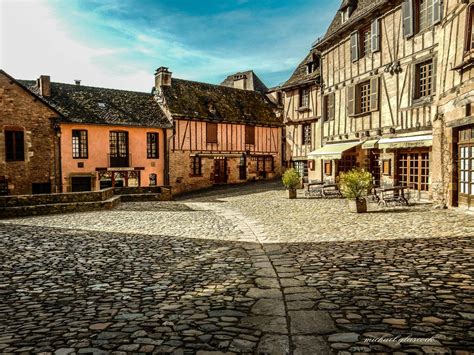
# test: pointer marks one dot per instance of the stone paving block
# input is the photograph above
(314, 345)
(311, 322)
(269, 307)
(274, 344)
(266, 324)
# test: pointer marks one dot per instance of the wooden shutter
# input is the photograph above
(355, 46)
(437, 11)
(249, 135)
(433, 78)
(374, 93)
(331, 106)
(375, 35)
(351, 100)
(407, 13)
(211, 132)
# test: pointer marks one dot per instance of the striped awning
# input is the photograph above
(333, 151)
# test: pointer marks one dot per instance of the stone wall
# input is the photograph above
(182, 179)
(20, 110)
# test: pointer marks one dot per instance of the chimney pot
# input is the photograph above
(162, 77)
(44, 84)
(77, 82)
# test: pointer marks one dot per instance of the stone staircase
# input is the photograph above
(106, 199)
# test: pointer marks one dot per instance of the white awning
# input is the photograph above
(370, 144)
(406, 142)
(333, 151)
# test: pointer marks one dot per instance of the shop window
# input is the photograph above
(196, 166)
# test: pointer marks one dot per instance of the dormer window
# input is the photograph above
(345, 14)
(101, 104)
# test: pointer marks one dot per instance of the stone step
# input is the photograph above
(144, 197)
(35, 210)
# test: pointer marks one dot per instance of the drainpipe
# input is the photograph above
(167, 156)
(323, 118)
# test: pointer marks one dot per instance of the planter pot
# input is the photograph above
(292, 193)
(358, 206)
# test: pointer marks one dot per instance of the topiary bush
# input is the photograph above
(355, 183)
(291, 179)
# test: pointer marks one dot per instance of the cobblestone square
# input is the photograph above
(239, 270)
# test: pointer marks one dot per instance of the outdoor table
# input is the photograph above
(392, 194)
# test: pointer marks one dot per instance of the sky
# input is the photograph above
(120, 43)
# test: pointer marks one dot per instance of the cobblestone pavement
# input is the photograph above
(239, 270)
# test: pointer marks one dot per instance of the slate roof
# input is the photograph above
(88, 104)
(252, 80)
(300, 75)
(361, 8)
(195, 100)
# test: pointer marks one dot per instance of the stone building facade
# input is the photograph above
(221, 134)
(108, 137)
(29, 141)
(453, 128)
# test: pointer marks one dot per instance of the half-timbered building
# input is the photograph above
(220, 134)
(379, 64)
(302, 112)
(108, 137)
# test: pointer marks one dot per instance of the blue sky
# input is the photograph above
(119, 44)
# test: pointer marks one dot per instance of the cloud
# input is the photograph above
(119, 44)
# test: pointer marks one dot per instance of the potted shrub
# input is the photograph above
(354, 186)
(291, 180)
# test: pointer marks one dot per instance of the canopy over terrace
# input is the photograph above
(333, 151)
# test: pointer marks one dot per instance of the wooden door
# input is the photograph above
(220, 170)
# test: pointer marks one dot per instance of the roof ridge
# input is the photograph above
(218, 86)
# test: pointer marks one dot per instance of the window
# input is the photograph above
(365, 41)
(327, 167)
(346, 163)
(211, 132)
(249, 135)
(14, 146)
(119, 149)
(306, 131)
(196, 166)
(152, 151)
(346, 13)
(424, 79)
(304, 98)
(470, 29)
(329, 106)
(363, 98)
(420, 15)
(79, 144)
(414, 170)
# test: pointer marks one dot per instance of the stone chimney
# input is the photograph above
(77, 82)
(240, 81)
(44, 84)
(162, 77)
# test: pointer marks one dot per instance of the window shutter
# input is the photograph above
(437, 11)
(211, 132)
(433, 78)
(375, 35)
(374, 94)
(351, 100)
(407, 12)
(355, 46)
(331, 106)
